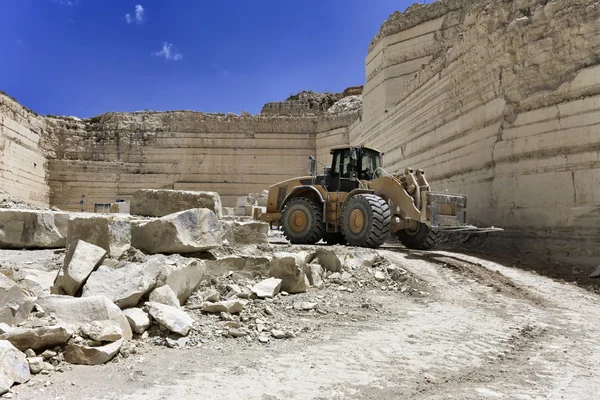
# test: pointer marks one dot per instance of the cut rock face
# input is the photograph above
(15, 302)
(290, 268)
(76, 353)
(32, 229)
(245, 232)
(183, 232)
(111, 232)
(77, 311)
(161, 202)
(174, 319)
(139, 320)
(14, 367)
(124, 286)
(81, 259)
(37, 338)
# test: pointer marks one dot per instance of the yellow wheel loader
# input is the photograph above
(356, 202)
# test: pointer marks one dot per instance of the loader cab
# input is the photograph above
(351, 164)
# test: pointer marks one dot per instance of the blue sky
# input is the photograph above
(86, 57)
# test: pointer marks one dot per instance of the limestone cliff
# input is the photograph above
(499, 100)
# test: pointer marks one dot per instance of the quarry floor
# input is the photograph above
(476, 329)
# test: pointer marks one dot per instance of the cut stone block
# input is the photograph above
(76, 353)
(245, 232)
(139, 320)
(15, 302)
(162, 202)
(77, 311)
(81, 260)
(32, 229)
(267, 288)
(183, 232)
(38, 338)
(111, 232)
(14, 367)
(164, 295)
(174, 319)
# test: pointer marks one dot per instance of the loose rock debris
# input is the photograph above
(234, 280)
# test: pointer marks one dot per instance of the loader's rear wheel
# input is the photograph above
(334, 238)
(366, 220)
(420, 238)
(302, 221)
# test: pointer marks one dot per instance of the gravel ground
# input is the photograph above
(449, 326)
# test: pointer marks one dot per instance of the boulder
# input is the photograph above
(183, 277)
(164, 295)
(161, 202)
(314, 273)
(78, 353)
(139, 320)
(14, 367)
(327, 259)
(32, 229)
(267, 288)
(124, 286)
(291, 269)
(228, 306)
(174, 319)
(37, 339)
(245, 232)
(15, 303)
(102, 331)
(183, 232)
(77, 311)
(109, 231)
(81, 259)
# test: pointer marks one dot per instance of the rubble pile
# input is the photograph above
(183, 279)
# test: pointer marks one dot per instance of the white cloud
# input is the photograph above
(139, 15)
(167, 53)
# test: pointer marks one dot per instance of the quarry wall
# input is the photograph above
(499, 100)
(23, 165)
(111, 156)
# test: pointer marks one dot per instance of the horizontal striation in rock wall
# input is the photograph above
(23, 165)
(507, 111)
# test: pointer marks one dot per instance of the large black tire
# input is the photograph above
(302, 221)
(366, 220)
(335, 238)
(423, 238)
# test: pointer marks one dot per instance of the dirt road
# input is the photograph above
(480, 330)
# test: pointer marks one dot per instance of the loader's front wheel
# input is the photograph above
(302, 221)
(366, 220)
(420, 238)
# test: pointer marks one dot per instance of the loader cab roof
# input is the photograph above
(333, 149)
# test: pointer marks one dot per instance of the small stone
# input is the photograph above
(49, 354)
(233, 332)
(176, 320)
(139, 320)
(278, 334)
(263, 339)
(305, 306)
(209, 295)
(164, 295)
(36, 365)
(267, 288)
(230, 306)
(379, 276)
(29, 353)
(226, 316)
(334, 276)
(268, 310)
(102, 331)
